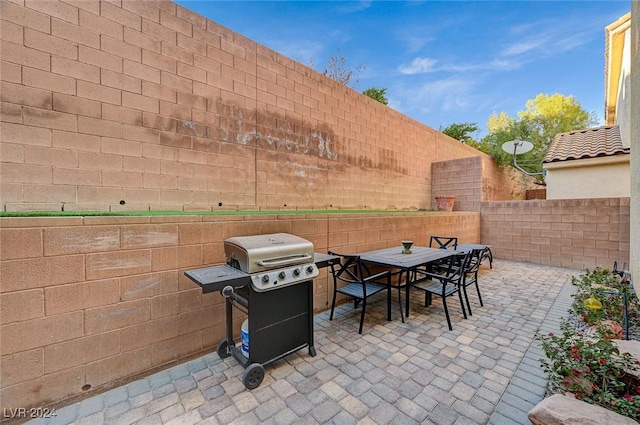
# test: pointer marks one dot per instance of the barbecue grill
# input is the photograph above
(270, 279)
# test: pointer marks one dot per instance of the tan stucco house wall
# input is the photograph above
(617, 76)
(634, 105)
(606, 177)
(601, 167)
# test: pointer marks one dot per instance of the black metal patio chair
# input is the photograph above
(444, 280)
(443, 242)
(350, 278)
(470, 277)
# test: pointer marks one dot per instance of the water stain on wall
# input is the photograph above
(267, 130)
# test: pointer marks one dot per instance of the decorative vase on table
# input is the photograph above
(445, 203)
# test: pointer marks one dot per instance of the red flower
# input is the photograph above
(602, 361)
(576, 356)
(577, 395)
(628, 397)
(574, 349)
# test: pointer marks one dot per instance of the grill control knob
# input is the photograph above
(309, 269)
(282, 275)
(265, 278)
(296, 272)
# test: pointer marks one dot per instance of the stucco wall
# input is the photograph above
(634, 107)
(623, 111)
(606, 177)
(93, 300)
(147, 105)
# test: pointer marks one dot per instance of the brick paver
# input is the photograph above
(484, 371)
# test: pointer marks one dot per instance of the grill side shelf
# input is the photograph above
(213, 279)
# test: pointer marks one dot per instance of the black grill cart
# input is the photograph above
(280, 319)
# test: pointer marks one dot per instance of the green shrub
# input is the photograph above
(608, 289)
(592, 369)
(587, 363)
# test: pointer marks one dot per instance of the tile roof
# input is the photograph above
(589, 143)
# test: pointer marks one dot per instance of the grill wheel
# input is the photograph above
(224, 350)
(253, 376)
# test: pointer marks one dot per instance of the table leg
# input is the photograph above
(407, 291)
(389, 288)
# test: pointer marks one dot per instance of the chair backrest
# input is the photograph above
(473, 261)
(452, 268)
(443, 242)
(349, 269)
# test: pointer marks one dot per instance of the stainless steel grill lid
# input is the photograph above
(258, 253)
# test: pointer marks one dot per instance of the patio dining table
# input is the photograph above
(394, 258)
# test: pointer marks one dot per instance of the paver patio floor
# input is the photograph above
(485, 371)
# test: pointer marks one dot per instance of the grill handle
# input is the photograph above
(293, 259)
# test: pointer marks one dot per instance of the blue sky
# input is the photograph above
(441, 61)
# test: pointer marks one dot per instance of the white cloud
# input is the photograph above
(428, 65)
(522, 47)
(352, 7)
(548, 38)
(504, 65)
(438, 95)
(415, 43)
(418, 66)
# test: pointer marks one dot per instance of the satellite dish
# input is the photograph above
(517, 147)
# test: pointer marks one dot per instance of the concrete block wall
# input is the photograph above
(138, 105)
(475, 179)
(87, 302)
(572, 233)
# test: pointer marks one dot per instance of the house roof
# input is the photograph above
(589, 143)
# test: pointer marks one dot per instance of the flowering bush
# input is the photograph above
(592, 369)
(601, 296)
(588, 364)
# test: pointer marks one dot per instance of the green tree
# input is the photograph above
(491, 144)
(378, 94)
(462, 131)
(497, 122)
(545, 116)
(551, 115)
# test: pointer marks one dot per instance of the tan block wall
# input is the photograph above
(572, 233)
(94, 300)
(151, 104)
(476, 179)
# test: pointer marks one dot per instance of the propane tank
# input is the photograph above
(244, 333)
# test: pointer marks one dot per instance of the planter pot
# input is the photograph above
(445, 203)
(610, 328)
